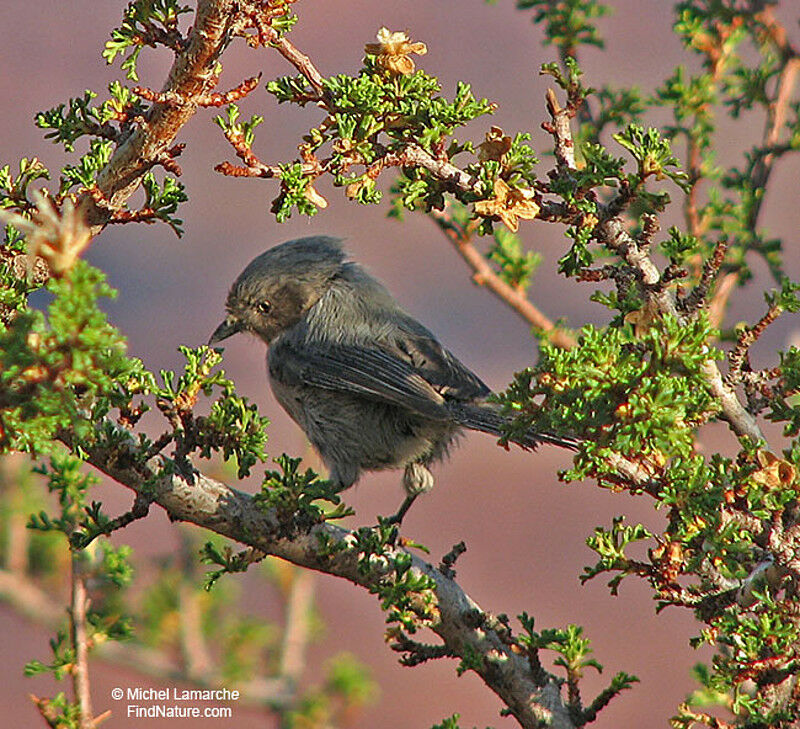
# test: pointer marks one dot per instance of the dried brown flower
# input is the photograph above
(313, 196)
(508, 204)
(774, 471)
(495, 147)
(57, 237)
(642, 319)
(393, 50)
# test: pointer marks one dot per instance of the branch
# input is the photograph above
(776, 121)
(31, 601)
(484, 275)
(260, 16)
(535, 701)
(195, 655)
(612, 232)
(301, 62)
(296, 631)
(190, 79)
(80, 643)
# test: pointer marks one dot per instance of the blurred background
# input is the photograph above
(524, 530)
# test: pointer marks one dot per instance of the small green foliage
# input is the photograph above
(756, 642)
(572, 648)
(237, 428)
(652, 153)
(568, 24)
(231, 125)
(295, 495)
(226, 559)
(600, 168)
(373, 114)
(69, 124)
(573, 656)
(163, 200)
(679, 246)
(63, 658)
(144, 22)
(615, 108)
(471, 660)
(610, 546)
(347, 687)
(451, 722)
(786, 299)
(66, 479)
(567, 77)
(407, 596)
(107, 569)
(295, 185)
(516, 265)
(709, 694)
(14, 189)
(233, 426)
(116, 564)
(787, 409)
(198, 376)
(640, 395)
(349, 679)
(65, 369)
(14, 289)
(294, 89)
(78, 117)
(84, 173)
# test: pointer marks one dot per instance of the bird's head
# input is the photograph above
(277, 288)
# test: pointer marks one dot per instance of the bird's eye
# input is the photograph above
(264, 307)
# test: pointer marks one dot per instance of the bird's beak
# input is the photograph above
(228, 328)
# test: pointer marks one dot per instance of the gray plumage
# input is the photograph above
(369, 385)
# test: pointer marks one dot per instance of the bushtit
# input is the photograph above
(369, 385)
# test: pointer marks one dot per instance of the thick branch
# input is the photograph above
(462, 625)
(190, 79)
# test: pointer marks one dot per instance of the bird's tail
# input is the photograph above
(486, 419)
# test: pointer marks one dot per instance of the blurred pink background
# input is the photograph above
(524, 531)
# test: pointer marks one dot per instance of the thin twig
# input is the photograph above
(483, 275)
(738, 357)
(80, 643)
(195, 654)
(719, 301)
(296, 627)
(302, 63)
(710, 270)
(28, 599)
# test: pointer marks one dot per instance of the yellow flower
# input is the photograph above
(59, 237)
(508, 204)
(495, 147)
(393, 50)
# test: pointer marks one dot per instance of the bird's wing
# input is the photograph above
(371, 372)
(438, 367)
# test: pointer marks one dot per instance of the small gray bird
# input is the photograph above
(369, 385)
